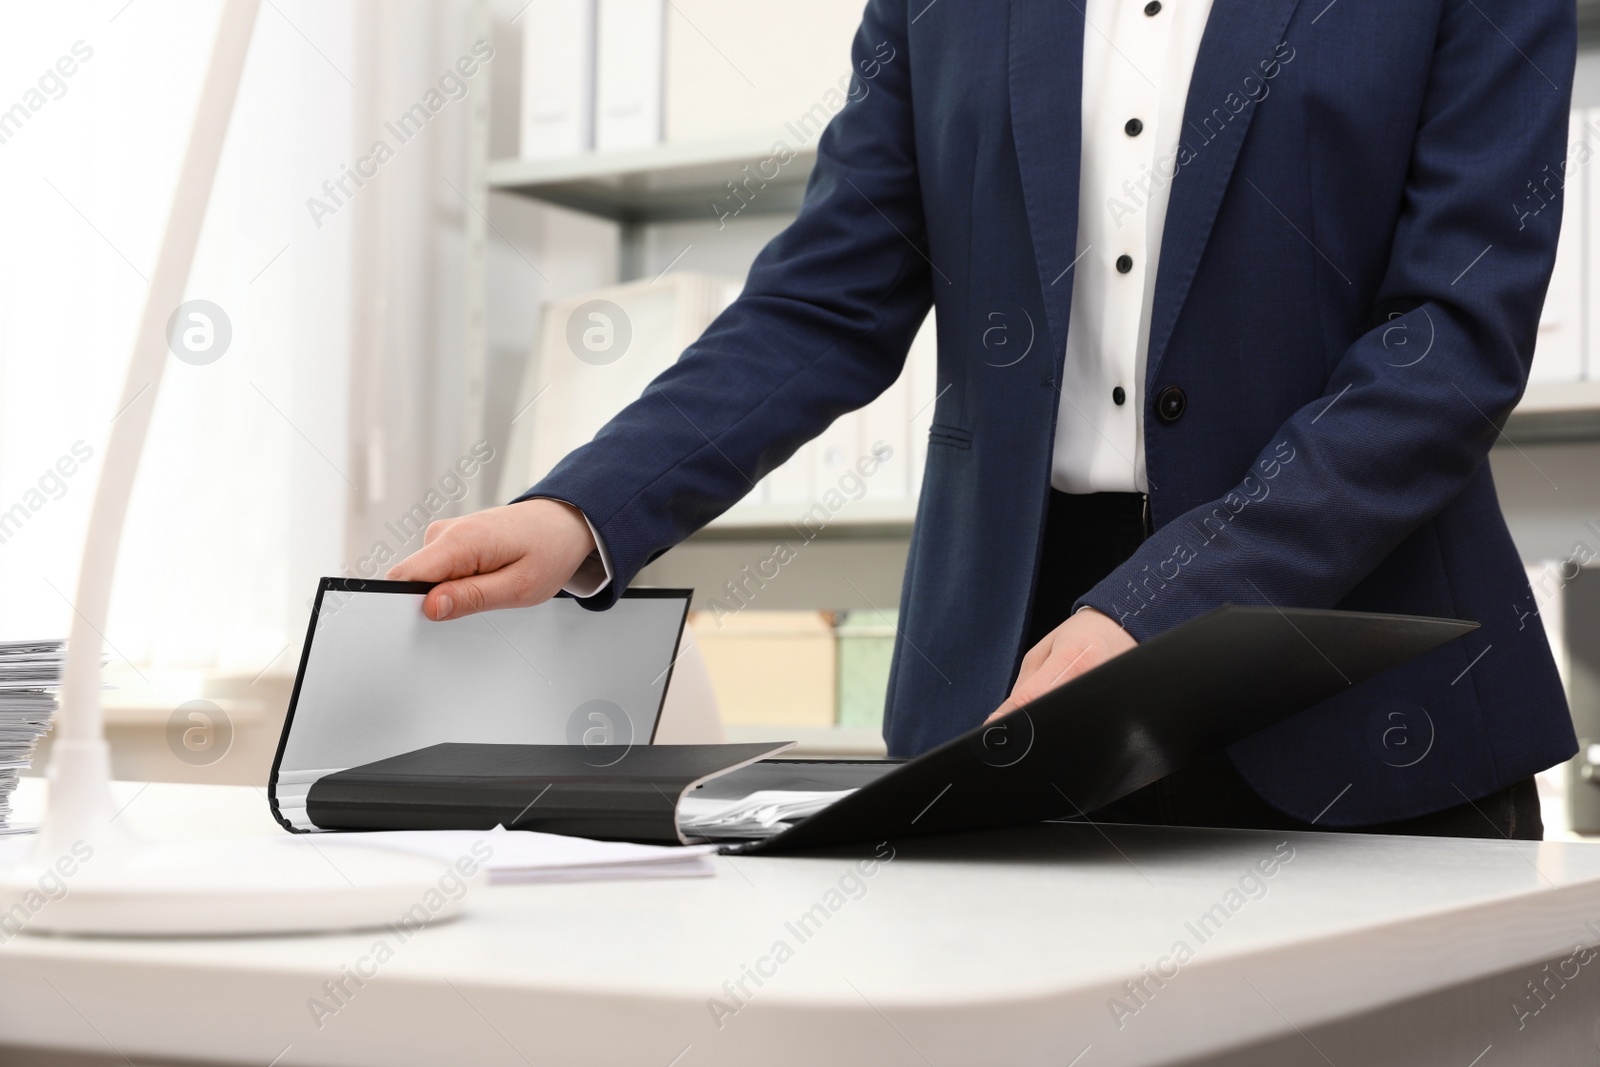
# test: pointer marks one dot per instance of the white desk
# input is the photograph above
(942, 960)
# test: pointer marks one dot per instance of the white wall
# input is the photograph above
(234, 508)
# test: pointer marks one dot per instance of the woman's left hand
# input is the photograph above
(1080, 644)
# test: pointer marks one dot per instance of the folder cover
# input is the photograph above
(1166, 703)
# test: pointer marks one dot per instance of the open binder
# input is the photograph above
(1168, 702)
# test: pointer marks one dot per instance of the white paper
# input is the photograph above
(761, 814)
(527, 856)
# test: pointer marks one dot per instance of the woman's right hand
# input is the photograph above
(505, 557)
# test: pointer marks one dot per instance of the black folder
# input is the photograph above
(612, 795)
(1168, 702)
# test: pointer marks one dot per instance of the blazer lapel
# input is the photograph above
(1046, 89)
(1239, 35)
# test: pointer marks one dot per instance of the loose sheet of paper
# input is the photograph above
(760, 814)
(516, 856)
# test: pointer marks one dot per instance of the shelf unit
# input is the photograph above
(765, 522)
(682, 182)
(664, 184)
(669, 183)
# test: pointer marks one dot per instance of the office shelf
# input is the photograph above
(1554, 412)
(859, 519)
(666, 183)
(1550, 412)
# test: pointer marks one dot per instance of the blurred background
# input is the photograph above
(448, 239)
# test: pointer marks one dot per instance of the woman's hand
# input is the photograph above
(1080, 644)
(505, 557)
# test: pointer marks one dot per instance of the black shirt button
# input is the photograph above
(1124, 264)
(1153, 8)
(1170, 404)
(1118, 396)
(1134, 127)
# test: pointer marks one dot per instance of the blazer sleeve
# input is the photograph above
(1393, 440)
(822, 327)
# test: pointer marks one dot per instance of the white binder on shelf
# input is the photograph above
(1587, 176)
(628, 74)
(886, 438)
(597, 352)
(557, 78)
(833, 455)
(863, 458)
(922, 389)
(1558, 354)
(569, 392)
(790, 484)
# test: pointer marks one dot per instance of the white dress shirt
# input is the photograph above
(594, 573)
(1136, 72)
(1137, 62)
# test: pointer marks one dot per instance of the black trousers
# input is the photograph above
(1086, 538)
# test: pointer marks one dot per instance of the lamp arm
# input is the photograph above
(80, 717)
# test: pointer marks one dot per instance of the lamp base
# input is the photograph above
(89, 873)
(228, 886)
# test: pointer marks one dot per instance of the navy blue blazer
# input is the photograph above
(1362, 225)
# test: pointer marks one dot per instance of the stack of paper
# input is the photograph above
(29, 670)
(760, 814)
(518, 856)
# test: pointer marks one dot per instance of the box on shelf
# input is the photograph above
(770, 667)
(866, 647)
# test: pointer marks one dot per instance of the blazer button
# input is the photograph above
(1170, 404)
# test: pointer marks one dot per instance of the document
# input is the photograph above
(514, 857)
(761, 814)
